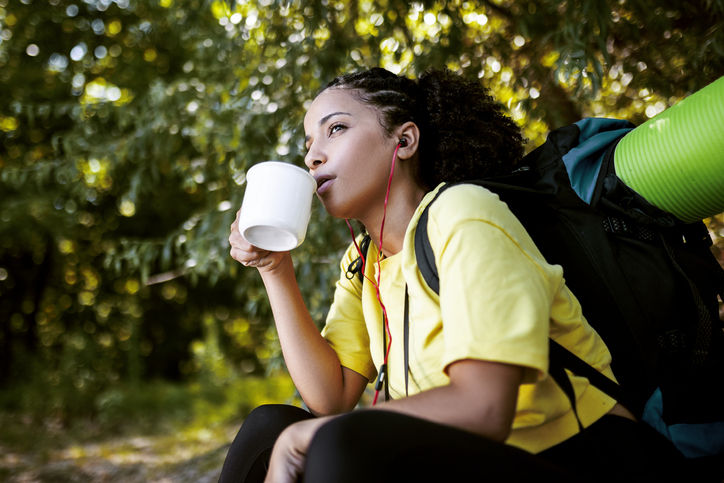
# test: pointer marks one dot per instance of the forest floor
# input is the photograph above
(137, 443)
(179, 457)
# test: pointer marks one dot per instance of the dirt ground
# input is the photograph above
(186, 457)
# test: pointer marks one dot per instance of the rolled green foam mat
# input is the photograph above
(675, 160)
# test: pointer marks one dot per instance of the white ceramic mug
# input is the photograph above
(277, 205)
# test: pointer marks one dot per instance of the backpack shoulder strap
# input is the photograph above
(423, 250)
(560, 356)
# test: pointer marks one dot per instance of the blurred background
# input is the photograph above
(131, 344)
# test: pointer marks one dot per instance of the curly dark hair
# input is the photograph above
(464, 133)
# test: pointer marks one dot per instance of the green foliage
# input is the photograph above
(127, 127)
(153, 407)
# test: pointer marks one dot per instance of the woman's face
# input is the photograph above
(349, 154)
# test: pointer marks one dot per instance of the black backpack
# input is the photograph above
(647, 282)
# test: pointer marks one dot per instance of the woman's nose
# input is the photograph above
(314, 158)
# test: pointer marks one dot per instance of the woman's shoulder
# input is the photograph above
(469, 202)
(467, 211)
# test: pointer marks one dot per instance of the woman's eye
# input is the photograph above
(335, 127)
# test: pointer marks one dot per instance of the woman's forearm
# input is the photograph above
(325, 386)
(314, 366)
(481, 398)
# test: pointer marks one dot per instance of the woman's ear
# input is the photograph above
(408, 138)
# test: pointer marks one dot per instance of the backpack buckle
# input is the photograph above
(619, 226)
(616, 225)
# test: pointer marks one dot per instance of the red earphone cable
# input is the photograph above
(379, 268)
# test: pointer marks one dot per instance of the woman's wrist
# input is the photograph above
(278, 266)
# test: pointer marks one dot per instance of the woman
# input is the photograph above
(477, 400)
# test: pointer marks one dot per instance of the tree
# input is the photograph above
(128, 125)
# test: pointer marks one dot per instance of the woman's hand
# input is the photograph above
(290, 451)
(250, 256)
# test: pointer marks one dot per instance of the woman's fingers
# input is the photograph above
(246, 253)
(249, 255)
(243, 251)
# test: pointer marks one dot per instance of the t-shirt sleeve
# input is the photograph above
(345, 328)
(495, 295)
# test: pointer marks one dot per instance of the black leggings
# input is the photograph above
(378, 446)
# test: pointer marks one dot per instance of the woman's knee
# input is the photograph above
(341, 447)
(248, 455)
(348, 431)
(268, 421)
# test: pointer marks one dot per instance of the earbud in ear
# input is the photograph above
(403, 142)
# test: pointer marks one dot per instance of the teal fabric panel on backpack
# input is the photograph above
(583, 162)
(693, 440)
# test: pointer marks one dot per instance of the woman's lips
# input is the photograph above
(323, 185)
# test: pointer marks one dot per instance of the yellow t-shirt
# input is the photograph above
(499, 301)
